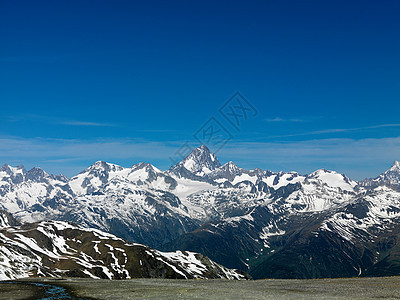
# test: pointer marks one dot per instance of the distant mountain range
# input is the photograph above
(271, 225)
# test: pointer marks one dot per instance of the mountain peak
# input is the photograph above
(5, 168)
(102, 165)
(13, 170)
(320, 172)
(147, 166)
(395, 166)
(200, 161)
(36, 173)
(390, 177)
(204, 148)
(99, 164)
(228, 171)
(333, 179)
(394, 171)
(230, 165)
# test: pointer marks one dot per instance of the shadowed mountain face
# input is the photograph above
(269, 224)
(358, 237)
(6, 219)
(54, 248)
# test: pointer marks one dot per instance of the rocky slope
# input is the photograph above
(55, 248)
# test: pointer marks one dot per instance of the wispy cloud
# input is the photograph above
(47, 148)
(58, 155)
(291, 120)
(83, 123)
(356, 158)
(56, 120)
(157, 130)
(336, 130)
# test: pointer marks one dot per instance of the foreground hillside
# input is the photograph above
(55, 248)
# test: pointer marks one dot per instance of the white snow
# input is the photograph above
(334, 179)
(244, 177)
(189, 164)
(95, 247)
(283, 179)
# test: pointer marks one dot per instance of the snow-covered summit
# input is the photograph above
(199, 162)
(93, 177)
(228, 171)
(231, 167)
(393, 174)
(146, 166)
(102, 166)
(396, 166)
(389, 178)
(19, 174)
(333, 179)
(13, 174)
(12, 170)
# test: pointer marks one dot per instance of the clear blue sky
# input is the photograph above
(131, 81)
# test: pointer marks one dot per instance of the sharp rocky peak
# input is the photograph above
(390, 177)
(395, 167)
(200, 161)
(4, 167)
(19, 174)
(141, 165)
(230, 165)
(37, 174)
(38, 171)
(12, 170)
(228, 171)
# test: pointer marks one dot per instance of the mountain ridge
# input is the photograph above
(56, 249)
(244, 219)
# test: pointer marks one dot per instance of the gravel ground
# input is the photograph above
(343, 288)
(19, 291)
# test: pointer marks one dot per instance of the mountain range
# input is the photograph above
(269, 224)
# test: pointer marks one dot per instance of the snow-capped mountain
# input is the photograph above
(333, 179)
(54, 249)
(321, 225)
(21, 189)
(199, 162)
(245, 219)
(135, 203)
(390, 178)
(231, 173)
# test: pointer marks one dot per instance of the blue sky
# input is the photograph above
(131, 81)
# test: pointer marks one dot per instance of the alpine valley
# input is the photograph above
(270, 225)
